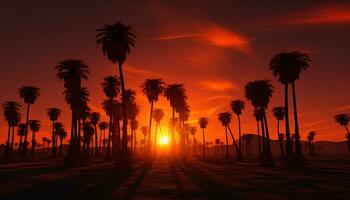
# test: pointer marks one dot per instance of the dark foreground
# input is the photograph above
(326, 178)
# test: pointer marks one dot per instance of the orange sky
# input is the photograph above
(214, 49)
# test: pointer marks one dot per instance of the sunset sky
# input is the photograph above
(213, 47)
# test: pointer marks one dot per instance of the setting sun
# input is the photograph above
(164, 140)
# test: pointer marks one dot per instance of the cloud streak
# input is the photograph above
(216, 85)
(211, 34)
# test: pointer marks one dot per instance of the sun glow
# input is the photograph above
(164, 140)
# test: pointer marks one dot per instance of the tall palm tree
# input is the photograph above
(34, 126)
(203, 122)
(152, 89)
(134, 125)
(310, 139)
(144, 130)
(110, 106)
(102, 126)
(48, 141)
(61, 133)
(278, 112)
(237, 106)
(184, 114)
(72, 72)
(29, 94)
(116, 41)
(193, 131)
(175, 94)
(94, 119)
(53, 113)
(259, 92)
(287, 66)
(44, 139)
(158, 115)
(21, 131)
(343, 120)
(12, 117)
(258, 118)
(225, 119)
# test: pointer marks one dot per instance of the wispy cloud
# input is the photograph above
(217, 85)
(212, 34)
(139, 71)
(345, 107)
(316, 16)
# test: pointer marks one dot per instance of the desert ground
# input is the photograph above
(166, 177)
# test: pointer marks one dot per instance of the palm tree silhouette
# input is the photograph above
(144, 130)
(287, 66)
(343, 120)
(225, 119)
(72, 72)
(29, 94)
(258, 117)
(102, 126)
(53, 113)
(116, 41)
(184, 114)
(193, 131)
(152, 89)
(48, 141)
(111, 88)
(134, 125)
(34, 126)
(61, 133)
(88, 131)
(94, 119)
(44, 139)
(278, 112)
(237, 106)
(310, 139)
(259, 93)
(12, 117)
(175, 94)
(203, 122)
(158, 115)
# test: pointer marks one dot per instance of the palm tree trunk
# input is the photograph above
(61, 147)
(226, 142)
(150, 129)
(13, 141)
(348, 136)
(7, 151)
(289, 148)
(100, 142)
(25, 147)
(155, 139)
(53, 140)
(279, 139)
(268, 147)
(298, 152)
(109, 136)
(33, 145)
(259, 143)
(125, 119)
(239, 132)
(238, 152)
(20, 145)
(263, 137)
(203, 142)
(96, 140)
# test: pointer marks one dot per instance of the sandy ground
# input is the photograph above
(165, 178)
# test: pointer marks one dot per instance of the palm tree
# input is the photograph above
(34, 126)
(94, 119)
(29, 94)
(144, 130)
(343, 120)
(44, 139)
(259, 93)
(258, 117)
(21, 131)
(12, 117)
(193, 131)
(102, 126)
(152, 89)
(175, 94)
(225, 119)
(110, 106)
(53, 113)
(184, 114)
(278, 112)
(134, 124)
(158, 115)
(237, 106)
(287, 66)
(72, 72)
(116, 41)
(48, 141)
(203, 122)
(248, 141)
(310, 139)
(61, 133)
